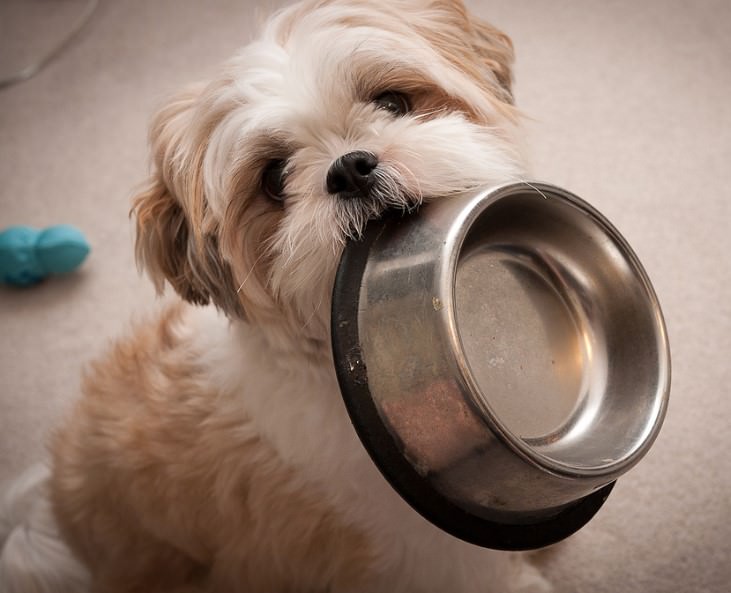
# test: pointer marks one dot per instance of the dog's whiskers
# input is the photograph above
(251, 271)
(312, 315)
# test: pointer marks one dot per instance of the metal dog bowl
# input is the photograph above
(503, 358)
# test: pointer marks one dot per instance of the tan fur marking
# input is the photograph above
(476, 48)
(157, 489)
(177, 238)
(248, 225)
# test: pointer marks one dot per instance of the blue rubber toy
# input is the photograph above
(29, 255)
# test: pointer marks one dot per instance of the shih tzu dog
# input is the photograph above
(211, 451)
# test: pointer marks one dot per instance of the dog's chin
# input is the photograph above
(356, 210)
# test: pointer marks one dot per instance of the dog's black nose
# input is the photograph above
(352, 174)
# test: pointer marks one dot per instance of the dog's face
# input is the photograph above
(341, 110)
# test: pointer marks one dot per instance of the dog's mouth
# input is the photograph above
(385, 193)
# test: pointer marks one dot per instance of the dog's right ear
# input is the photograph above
(173, 242)
(163, 233)
(161, 244)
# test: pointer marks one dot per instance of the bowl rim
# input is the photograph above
(449, 263)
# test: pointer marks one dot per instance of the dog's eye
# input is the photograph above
(394, 102)
(273, 178)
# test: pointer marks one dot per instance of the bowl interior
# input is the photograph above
(561, 332)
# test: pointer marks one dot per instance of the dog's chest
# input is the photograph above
(296, 407)
(294, 402)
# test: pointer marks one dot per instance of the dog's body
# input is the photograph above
(211, 451)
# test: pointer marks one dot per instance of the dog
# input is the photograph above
(210, 450)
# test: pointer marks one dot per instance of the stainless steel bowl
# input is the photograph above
(503, 358)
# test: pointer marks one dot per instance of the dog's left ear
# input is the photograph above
(496, 50)
(475, 46)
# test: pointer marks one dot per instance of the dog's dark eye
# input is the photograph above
(273, 178)
(394, 102)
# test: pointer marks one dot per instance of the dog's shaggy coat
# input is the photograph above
(210, 451)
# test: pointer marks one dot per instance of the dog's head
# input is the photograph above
(340, 110)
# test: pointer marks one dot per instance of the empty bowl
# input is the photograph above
(503, 358)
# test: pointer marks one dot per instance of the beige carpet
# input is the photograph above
(631, 108)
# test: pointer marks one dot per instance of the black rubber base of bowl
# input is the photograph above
(415, 489)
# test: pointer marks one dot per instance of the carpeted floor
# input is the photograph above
(629, 107)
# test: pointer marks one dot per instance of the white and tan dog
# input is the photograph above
(211, 451)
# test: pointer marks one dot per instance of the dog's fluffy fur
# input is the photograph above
(210, 451)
